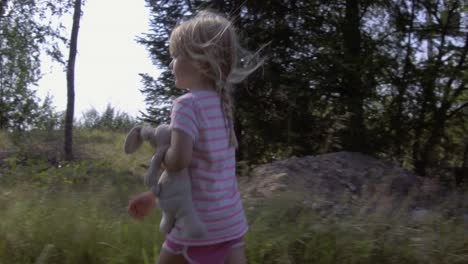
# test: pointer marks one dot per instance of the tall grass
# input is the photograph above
(91, 226)
(286, 231)
(87, 226)
(76, 213)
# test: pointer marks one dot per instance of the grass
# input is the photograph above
(86, 226)
(76, 213)
(287, 232)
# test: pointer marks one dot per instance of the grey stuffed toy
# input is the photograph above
(173, 189)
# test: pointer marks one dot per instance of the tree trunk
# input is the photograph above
(400, 135)
(68, 145)
(463, 176)
(217, 5)
(428, 150)
(3, 119)
(441, 115)
(429, 83)
(355, 139)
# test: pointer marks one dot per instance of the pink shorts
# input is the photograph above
(210, 254)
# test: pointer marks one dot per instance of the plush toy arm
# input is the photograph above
(154, 171)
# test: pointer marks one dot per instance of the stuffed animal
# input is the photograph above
(173, 189)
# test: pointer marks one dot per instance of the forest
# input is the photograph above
(385, 78)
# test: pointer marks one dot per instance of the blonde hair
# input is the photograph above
(210, 41)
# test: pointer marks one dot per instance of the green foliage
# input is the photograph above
(110, 119)
(39, 155)
(27, 28)
(47, 118)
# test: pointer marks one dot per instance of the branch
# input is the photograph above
(460, 68)
(3, 5)
(364, 9)
(431, 9)
(454, 112)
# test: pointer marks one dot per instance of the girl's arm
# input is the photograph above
(179, 154)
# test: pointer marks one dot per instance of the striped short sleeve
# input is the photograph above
(183, 116)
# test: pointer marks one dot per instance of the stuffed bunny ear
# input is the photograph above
(133, 140)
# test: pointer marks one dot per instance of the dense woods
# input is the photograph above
(386, 78)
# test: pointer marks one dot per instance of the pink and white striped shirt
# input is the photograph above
(215, 192)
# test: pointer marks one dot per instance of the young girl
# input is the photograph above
(205, 52)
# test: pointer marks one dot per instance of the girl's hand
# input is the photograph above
(140, 205)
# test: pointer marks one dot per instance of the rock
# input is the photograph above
(333, 173)
(280, 177)
(278, 188)
(347, 179)
(423, 216)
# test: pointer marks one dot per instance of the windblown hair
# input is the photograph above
(210, 40)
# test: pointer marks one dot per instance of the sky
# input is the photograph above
(108, 61)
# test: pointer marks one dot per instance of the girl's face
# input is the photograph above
(185, 73)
